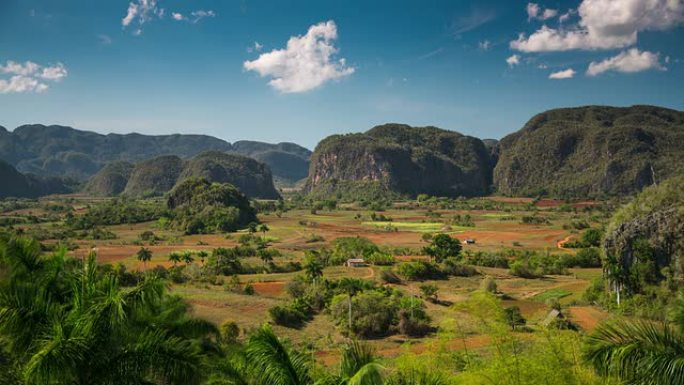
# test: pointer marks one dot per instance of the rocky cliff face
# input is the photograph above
(591, 151)
(647, 235)
(401, 159)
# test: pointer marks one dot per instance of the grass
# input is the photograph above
(423, 227)
(551, 294)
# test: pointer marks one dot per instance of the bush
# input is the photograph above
(230, 332)
(389, 276)
(290, 315)
(488, 284)
(373, 313)
(419, 270)
(456, 268)
(381, 259)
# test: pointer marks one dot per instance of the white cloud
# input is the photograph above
(27, 68)
(566, 16)
(54, 73)
(484, 45)
(565, 74)
(628, 61)
(27, 76)
(305, 64)
(256, 47)
(177, 16)
(201, 14)
(532, 11)
(605, 24)
(513, 60)
(549, 13)
(140, 12)
(20, 83)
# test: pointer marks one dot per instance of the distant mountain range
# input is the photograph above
(590, 151)
(68, 152)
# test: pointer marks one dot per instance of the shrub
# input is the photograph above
(419, 270)
(389, 276)
(248, 289)
(373, 313)
(488, 284)
(456, 268)
(230, 332)
(381, 259)
(513, 317)
(289, 316)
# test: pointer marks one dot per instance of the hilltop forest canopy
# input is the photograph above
(591, 152)
(159, 175)
(65, 151)
(401, 159)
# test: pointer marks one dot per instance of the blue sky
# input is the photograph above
(196, 67)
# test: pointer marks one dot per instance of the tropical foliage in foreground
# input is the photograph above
(64, 321)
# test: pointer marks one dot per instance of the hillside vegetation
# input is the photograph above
(159, 175)
(645, 239)
(18, 185)
(591, 151)
(65, 151)
(401, 159)
(111, 180)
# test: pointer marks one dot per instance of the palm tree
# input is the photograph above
(202, 254)
(187, 257)
(273, 363)
(175, 258)
(358, 366)
(638, 352)
(263, 228)
(68, 322)
(144, 255)
(351, 286)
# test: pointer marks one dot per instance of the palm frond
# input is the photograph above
(273, 363)
(637, 352)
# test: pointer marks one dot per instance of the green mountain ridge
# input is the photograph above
(591, 151)
(67, 152)
(157, 176)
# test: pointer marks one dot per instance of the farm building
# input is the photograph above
(355, 262)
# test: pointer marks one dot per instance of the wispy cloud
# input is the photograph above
(471, 21)
(513, 60)
(564, 74)
(431, 53)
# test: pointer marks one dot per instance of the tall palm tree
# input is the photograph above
(174, 257)
(638, 352)
(144, 255)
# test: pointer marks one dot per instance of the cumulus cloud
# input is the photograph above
(513, 60)
(177, 16)
(604, 24)
(628, 61)
(306, 63)
(140, 12)
(534, 11)
(565, 74)
(28, 76)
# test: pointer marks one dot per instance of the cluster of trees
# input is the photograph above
(199, 206)
(115, 212)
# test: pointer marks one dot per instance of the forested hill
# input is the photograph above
(157, 176)
(400, 159)
(591, 151)
(65, 151)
